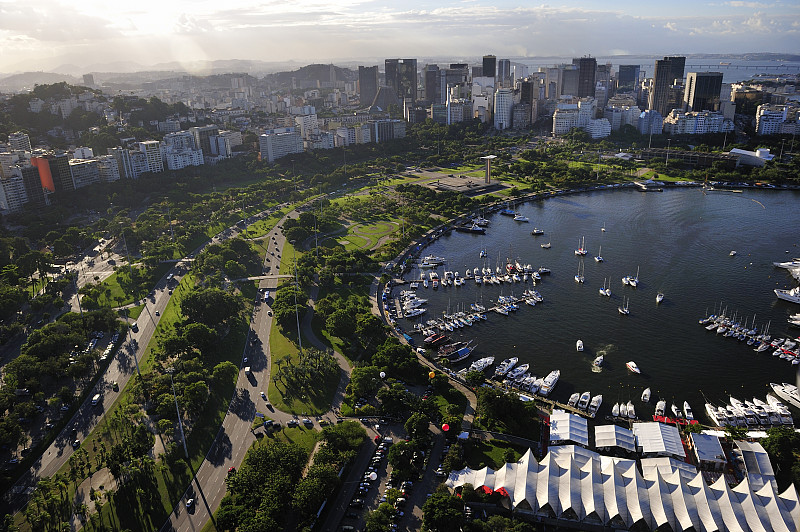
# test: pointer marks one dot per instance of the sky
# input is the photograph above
(44, 34)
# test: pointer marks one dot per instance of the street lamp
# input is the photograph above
(170, 371)
(296, 286)
(669, 142)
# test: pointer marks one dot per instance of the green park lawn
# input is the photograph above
(117, 296)
(479, 454)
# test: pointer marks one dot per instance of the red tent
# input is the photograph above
(502, 491)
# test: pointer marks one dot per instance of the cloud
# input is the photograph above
(187, 24)
(749, 5)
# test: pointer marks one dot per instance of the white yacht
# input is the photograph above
(713, 414)
(521, 218)
(579, 345)
(505, 366)
(660, 406)
(793, 295)
(659, 297)
(481, 364)
(594, 405)
(646, 395)
(633, 367)
(675, 411)
(787, 392)
(549, 382)
(517, 372)
(631, 410)
(598, 361)
(573, 399)
(687, 411)
(545, 246)
(623, 410)
(615, 410)
(583, 402)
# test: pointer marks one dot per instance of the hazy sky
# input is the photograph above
(43, 34)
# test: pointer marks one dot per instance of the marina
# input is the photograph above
(675, 357)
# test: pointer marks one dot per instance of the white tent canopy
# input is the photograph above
(568, 427)
(575, 483)
(658, 439)
(614, 436)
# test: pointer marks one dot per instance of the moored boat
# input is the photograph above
(660, 406)
(579, 345)
(631, 410)
(687, 411)
(549, 382)
(646, 395)
(792, 295)
(583, 402)
(594, 405)
(573, 399)
(631, 365)
(505, 366)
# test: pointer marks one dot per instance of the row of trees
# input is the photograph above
(270, 481)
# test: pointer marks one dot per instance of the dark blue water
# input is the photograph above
(681, 241)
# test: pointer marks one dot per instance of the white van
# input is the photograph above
(95, 399)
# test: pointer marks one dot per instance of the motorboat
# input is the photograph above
(545, 246)
(732, 253)
(787, 392)
(573, 399)
(583, 402)
(599, 257)
(414, 312)
(518, 371)
(505, 366)
(581, 247)
(660, 406)
(646, 395)
(713, 414)
(536, 231)
(687, 411)
(481, 364)
(598, 361)
(615, 410)
(436, 339)
(792, 295)
(675, 411)
(549, 382)
(631, 410)
(474, 228)
(633, 367)
(659, 297)
(594, 405)
(579, 345)
(520, 218)
(623, 410)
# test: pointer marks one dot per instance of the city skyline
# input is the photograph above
(44, 35)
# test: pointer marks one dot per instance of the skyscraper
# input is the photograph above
(433, 92)
(489, 66)
(678, 64)
(702, 91)
(627, 78)
(367, 84)
(504, 72)
(659, 92)
(587, 71)
(503, 105)
(19, 141)
(401, 75)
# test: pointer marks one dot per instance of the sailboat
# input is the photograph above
(659, 297)
(605, 291)
(581, 247)
(599, 257)
(603, 229)
(624, 308)
(634, 282)
(579, 275)
(545, 246)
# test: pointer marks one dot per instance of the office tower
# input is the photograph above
(202, 139)
(503, 105)
(88, 80)
(477, 71)
(627, 78)
(35, 188)
(489, 66)
(367, 84)
(659, 92)
(54, 171)
(528, 92)
(678, 64)
(277, 143)
(152, 152)
(504, 72)
(19, 141)
(702, 92)
(433, 91)
(569, 80)
(587, 72)
(401, 75)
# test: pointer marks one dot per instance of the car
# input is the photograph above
(231, 470)
(307, 421)
(64, 408)
(158, 313)
(189, 503)
(49, 426)
(292, 423)
(135, 327)
(269, 313)
(115, 386)
(263, 396)
(76, 444)
(357, 503)
(170, 291)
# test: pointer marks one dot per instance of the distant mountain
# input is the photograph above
(27, 80)
(316, 72)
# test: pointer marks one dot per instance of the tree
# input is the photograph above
(210, 306)
(783, 446)
(365, 380)
(341, 324)
(443, 512)
(475, 378)
(194, 397)
(417, 427)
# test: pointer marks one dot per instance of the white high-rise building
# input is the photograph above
(83, 153)
(503, 106)
(277, 143)
(108, 168)
(696, 123)
(19, 141)
(12, 194)
(564, 120)
(777, 119)
(308, 125)
(586, 110)
(84, 172)
(598, 128)
(650, 122)
(152, 152)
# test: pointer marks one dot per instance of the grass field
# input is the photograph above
(351, 242)
(479, 454)
(117, 296)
